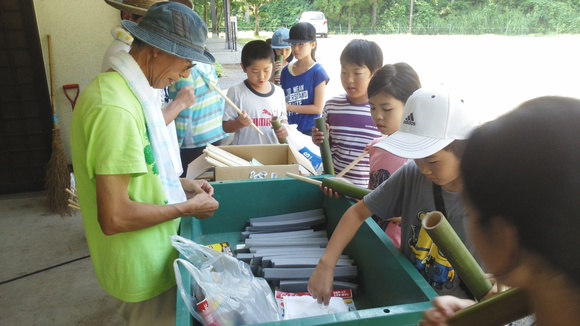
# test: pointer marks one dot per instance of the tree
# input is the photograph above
(255, 6)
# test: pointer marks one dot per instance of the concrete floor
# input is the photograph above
(46, 276)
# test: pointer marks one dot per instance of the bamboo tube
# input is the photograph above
(351, 165)
(338, 186)
(275, 121)
(325, 147)
(345, 188)
(228, 155)
(232, 104)
(443, 235)
(501, 309)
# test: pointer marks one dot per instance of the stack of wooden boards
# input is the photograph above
(285, 249)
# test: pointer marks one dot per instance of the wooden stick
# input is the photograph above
(351, 165)
(220, 158)
(305, 179)
(227, 99)
(71, 193)
(74, 207)
(215, 162)
(228, 155)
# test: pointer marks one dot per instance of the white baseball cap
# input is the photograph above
(433, 118)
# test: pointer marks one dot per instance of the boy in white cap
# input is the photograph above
(435, 126)
(130, 196)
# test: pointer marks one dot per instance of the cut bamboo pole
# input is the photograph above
(320, 124)
(449, 243)
(351, 165)
(343, 188)
(232, 104)
(275, 122)
(501, 309)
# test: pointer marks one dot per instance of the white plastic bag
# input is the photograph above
(304, 145)
(223, 287)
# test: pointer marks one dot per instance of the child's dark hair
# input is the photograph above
(362, 53)
(525, 167)
(399, 80)
(457, 148)
(256, 50)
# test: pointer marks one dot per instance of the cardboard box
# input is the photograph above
(391, 291)
(276, 159)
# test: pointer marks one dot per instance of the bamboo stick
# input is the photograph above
(351, 165)
(71, 193)
(220, 158)
(304, 179)
(325, 153)
(215, 162)
(443, 235)
(227, 99)
(501, 309)
(229, 155)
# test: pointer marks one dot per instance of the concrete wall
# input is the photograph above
(80, 34)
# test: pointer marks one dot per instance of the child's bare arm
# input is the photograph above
(242, 121)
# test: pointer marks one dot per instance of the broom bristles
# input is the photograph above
(58, 177)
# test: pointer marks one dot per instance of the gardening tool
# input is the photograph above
(57, 174)
(69, 88)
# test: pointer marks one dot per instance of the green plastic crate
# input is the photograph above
(390, 292)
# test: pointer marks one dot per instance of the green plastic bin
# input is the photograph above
(390, 292)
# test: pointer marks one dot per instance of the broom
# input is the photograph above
(57, 177)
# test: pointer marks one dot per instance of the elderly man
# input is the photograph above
(130, 195)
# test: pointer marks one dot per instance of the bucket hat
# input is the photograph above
(301, 33)
(278, 39)
(173, 28)
(137, 7)
(433, 118)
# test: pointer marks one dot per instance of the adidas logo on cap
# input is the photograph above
(409, 120)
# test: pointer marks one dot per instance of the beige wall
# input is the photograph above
(80, 34)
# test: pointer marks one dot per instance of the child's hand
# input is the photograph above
(282, 133)
(444, 307)
(244, 119)
(331, 193)
(317, 136)
(320, 283)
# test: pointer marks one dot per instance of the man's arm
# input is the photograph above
(117, 213)
(184, 99)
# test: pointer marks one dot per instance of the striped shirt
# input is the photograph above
(200, 124)
(351, 129)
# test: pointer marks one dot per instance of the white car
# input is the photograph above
(317, 19)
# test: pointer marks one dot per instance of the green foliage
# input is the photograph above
(510, 17)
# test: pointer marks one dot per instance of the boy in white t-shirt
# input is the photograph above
(258, 98)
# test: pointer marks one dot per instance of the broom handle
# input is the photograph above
(50, 77)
